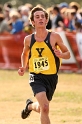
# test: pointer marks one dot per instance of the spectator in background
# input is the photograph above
(72, 19)
(63, 5)
(6, 9)
(57, 20)
(75, 6)
(64, 14)
(10, 25)
(3, 25)
(30, 6)
(24, 11)
(79, 14)
(8, 5)
(17, 24)
(78, 27)
(25, 15)
(49, 24)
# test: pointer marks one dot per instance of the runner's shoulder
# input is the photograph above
(27, 39)
(54, 34)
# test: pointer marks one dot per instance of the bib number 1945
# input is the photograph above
(41, 64)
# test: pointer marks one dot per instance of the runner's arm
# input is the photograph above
(25, 53)
(63, 52)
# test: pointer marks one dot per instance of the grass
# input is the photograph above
(65, 107)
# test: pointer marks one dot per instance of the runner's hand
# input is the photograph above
(57, 52)
(21, 71)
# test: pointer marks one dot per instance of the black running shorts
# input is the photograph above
(41, 82)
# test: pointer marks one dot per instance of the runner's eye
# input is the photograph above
(42, 16)
(37, 16)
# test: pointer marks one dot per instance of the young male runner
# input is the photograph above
(41, 53)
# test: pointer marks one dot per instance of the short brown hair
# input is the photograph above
(37, 8)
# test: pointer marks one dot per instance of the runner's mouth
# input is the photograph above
(40, 22)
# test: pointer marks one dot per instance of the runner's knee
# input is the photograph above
(45, 108)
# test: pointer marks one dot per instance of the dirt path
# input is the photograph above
(65, 108)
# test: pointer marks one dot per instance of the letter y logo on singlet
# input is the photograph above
(40, 51)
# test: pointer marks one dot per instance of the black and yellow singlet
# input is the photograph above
(42, 58)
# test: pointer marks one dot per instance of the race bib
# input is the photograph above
(40, 64)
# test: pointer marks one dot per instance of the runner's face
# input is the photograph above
(39, 19)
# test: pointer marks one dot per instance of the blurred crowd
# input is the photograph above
(63, 16)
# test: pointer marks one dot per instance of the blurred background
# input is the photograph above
(46, 3)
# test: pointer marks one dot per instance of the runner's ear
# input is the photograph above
(33, 23)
